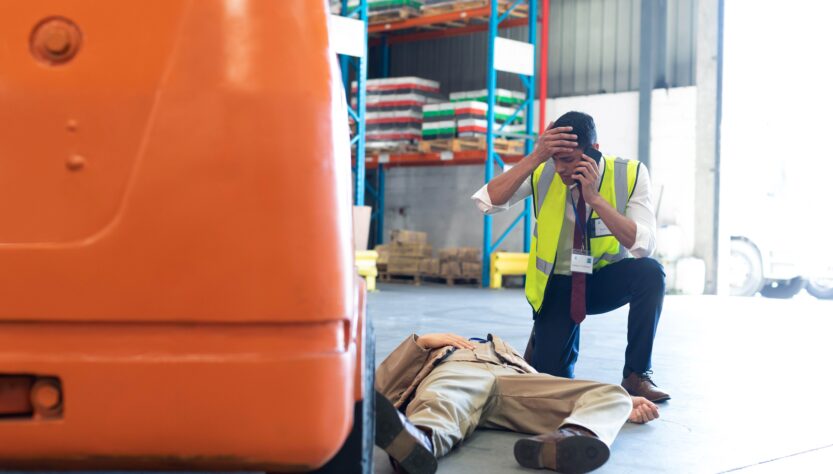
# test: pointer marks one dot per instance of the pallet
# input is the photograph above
(394, 150)
(521, 11)
(388, 16)
(502, 145)
(417, 279)
(456, 281)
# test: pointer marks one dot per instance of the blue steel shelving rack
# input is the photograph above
(359, 113)
(491, 157)
(496, 20)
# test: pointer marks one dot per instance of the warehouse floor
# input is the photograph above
(746, 374)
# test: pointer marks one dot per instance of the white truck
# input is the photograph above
(777, 256)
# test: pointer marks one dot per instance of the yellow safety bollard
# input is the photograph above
(506, 263)
(366, 266)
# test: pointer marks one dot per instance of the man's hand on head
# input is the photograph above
(555, 141)
(643, 411)
(435, 341)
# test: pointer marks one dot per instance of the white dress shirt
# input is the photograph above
(640, 208)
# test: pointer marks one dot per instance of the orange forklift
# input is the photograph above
(177, 288)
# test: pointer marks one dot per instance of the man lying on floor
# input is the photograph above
(448, 386)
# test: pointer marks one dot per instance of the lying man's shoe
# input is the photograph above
(571, 449)
(641, 385)
(410, 449)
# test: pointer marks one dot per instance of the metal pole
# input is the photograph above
(646, 81)
(543, 68)
(361, 127)
(717, 124)
(380, 169)
(344, 60)
(491, 84)
(530, 93)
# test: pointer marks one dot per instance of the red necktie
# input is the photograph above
(578, 303)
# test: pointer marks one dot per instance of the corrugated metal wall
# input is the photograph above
(594, 48)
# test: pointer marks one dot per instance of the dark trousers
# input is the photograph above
(638, 281)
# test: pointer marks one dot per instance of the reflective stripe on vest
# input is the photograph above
(618, 181)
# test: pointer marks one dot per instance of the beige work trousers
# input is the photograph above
(458, 397)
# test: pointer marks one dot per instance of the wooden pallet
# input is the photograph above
(388, 16)
(520, 11)
(502, 145)
(394, 150)
(456, 281)
(417, 279)
(412, 278)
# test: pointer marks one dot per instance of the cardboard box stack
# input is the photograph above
(466, 118)
(406, 252)
(502, 96)
(438, 121)
(384, 257)
(379, 10)
(460, 262)
(471, 112)
(394, 110)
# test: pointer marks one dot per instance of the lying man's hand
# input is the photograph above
(643, 411)
(435, 341)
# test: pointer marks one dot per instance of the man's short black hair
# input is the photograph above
(583, 127)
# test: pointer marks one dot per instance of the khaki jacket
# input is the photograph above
(407, 366)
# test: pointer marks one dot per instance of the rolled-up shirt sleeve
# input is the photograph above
(640, 209)
(484, 202)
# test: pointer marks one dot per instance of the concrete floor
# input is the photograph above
(750, 378)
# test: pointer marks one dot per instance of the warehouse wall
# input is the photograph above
(594, 48)
(437, 199)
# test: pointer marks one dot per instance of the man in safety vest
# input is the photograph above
(585, 265)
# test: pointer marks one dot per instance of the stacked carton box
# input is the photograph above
(376, 8)
(471, 112)
(384, 257)
(406, 252)
(438, 121)
(460, 262)
(502, 96)
(466, 118)
(429, 267)
(394, 110)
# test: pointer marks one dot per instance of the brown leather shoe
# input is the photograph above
(641, 385)
(571, 449)
(410, 449)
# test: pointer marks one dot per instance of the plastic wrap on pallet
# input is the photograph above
(393, 84)
(472, 109)
(477, 127)
(502, 96)
(381, 6)
(435, 130)
(440, 112)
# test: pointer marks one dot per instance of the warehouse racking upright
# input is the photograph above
(482, 16)
(359, 113)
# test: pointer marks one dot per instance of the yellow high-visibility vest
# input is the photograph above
(550, 198)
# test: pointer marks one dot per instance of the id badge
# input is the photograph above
(600, 229)
(581, 262)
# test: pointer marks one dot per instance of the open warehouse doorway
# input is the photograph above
(774, 170)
